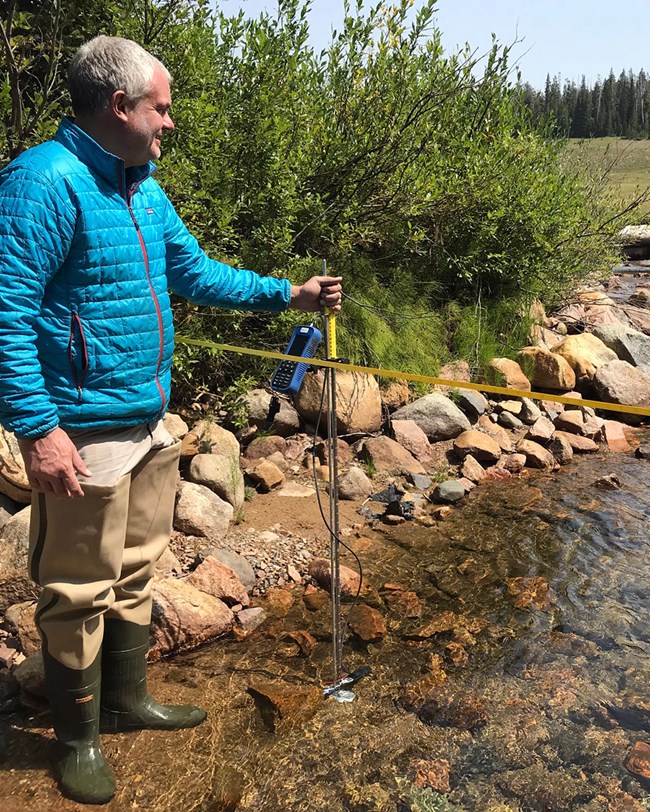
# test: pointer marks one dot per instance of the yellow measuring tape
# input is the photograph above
(411, 376)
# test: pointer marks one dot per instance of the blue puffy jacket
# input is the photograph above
(88, 253)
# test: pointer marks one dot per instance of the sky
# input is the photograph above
(567, 38)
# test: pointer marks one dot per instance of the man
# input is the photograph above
(91, 247)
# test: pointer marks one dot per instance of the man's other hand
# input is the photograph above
(51, 463)
(316, 294)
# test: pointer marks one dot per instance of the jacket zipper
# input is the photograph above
(143, 247)
(79, 380)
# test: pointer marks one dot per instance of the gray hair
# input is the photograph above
(106, 64)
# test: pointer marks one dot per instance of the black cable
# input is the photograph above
(338, 539)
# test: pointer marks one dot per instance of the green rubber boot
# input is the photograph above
(126, 704)
(80, 769)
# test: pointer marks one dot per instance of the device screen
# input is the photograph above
(298, 344)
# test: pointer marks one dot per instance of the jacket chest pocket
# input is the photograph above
(78, 354)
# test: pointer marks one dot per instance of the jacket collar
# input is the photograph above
(108, 166)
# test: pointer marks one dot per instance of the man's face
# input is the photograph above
(147, 120)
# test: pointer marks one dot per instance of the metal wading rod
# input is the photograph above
(333, 470)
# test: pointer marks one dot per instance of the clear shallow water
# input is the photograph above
(563, 688)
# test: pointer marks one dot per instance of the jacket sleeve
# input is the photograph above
(36, 228)
(192, 274)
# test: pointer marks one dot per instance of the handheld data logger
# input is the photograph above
(288, 375)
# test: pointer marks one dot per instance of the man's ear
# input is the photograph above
(120, 105)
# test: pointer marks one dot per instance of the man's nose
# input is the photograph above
(168, 124)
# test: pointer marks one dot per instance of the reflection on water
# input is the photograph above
(560, 686)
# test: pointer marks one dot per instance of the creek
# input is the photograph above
(561, 682)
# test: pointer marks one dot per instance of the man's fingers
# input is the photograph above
(79, 464)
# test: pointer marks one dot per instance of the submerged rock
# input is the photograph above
(368, 624)
(638, 762)
(531, 593)
(283, 705)
(447, 707)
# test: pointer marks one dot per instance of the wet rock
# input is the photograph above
(585, 354)
(358, 401)
(643, 452)
(610, 482)
(262, 447)
(19, 619)
(320, 571)
(183, 617)
(314, 598)
(497, 473)
(411, 437)
(447, 707)
(200, 512)
(456, 654)
(441, 623)
(387, 456)
(13, 479)
(247, 621)
(278, 602)
(404, 603)
(216, 579)
(531, 592)
(631, 711)
(615, 436)
(283, 705)
(542, 790)
(222, 474)
(504, 372)
(285, 423)
(477, 444)
(432, 774)
(536, 455)
(437, 416)
(515, 463)
(305, 642)
(472, 469)
(638, 762)
(579, 445)
(368, 624)
(561, 449)
(354, 485)
(266, 476)
(448, 492)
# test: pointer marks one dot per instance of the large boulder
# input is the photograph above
(209, 437)
(628, 344)
(620, 382)
(358, 401)
(13, 479)
(217, 579)
(184, 617)
(222, 474)
(285, 422)
(200, 512)
(585, 354)
(479, 445)
(175, 425)
(389, 457)
(15, 584)
(411, 437)
(547, 370)
(505, 372)
(437, 416)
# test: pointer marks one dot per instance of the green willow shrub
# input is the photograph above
(417, 174)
